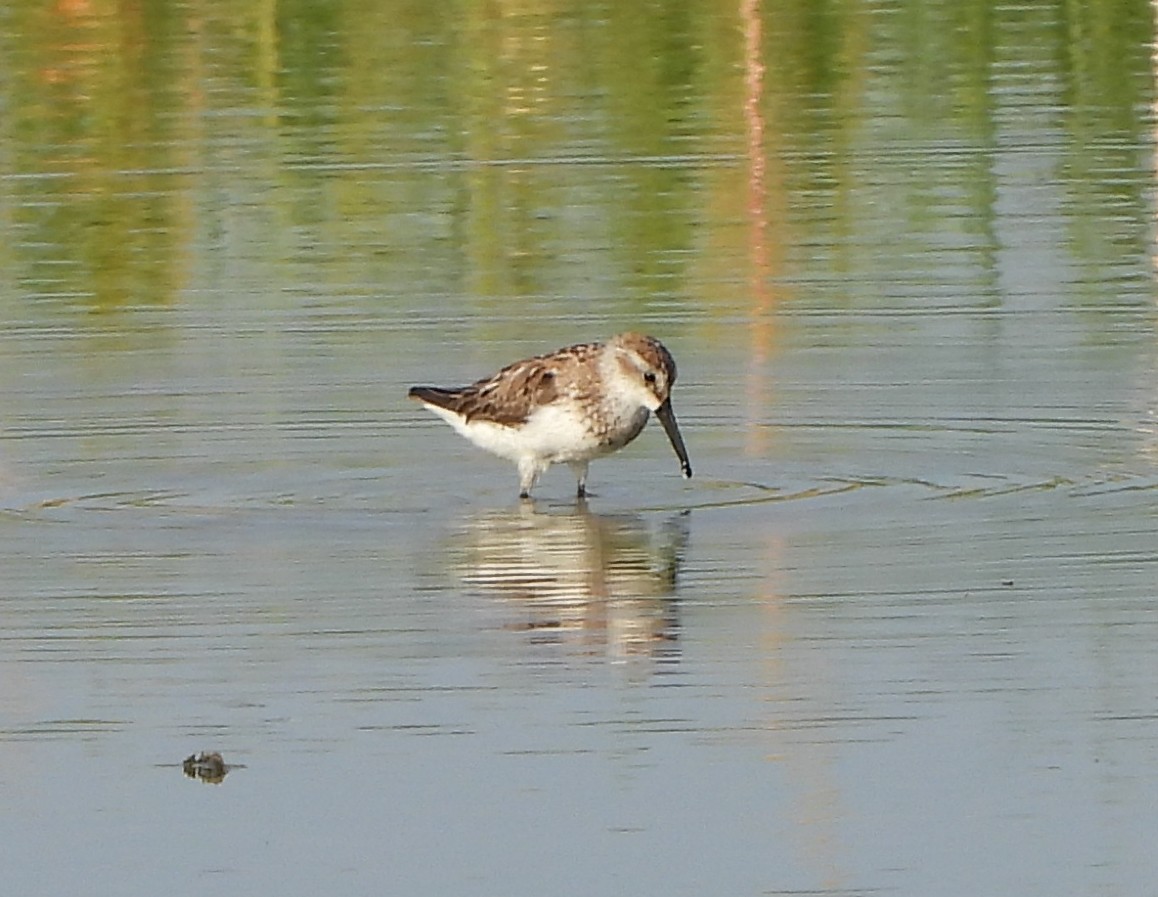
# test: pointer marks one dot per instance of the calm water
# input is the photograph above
(897, 636)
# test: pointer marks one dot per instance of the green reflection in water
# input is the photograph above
(536, 159)
(94, 131)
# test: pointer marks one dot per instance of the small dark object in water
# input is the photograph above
(209, 766)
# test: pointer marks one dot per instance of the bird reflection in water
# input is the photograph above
(597, 583)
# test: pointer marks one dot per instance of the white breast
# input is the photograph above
(553, 433)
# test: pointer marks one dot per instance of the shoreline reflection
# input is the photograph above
(602, 584)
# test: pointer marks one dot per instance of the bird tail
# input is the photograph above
(434, 395)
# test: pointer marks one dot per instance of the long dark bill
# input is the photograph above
(667, 418)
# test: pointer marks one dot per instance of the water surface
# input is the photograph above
(896, 635)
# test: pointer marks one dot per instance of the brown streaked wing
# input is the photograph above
(509, 397)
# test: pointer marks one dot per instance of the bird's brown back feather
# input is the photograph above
(509, 396)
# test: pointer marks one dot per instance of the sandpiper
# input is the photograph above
(568, 406)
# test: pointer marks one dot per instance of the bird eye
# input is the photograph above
(649, 377)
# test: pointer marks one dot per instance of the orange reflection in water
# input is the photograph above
(762, 246)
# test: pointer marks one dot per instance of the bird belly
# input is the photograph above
(552, 434)
(498, 439)
(561, 433)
